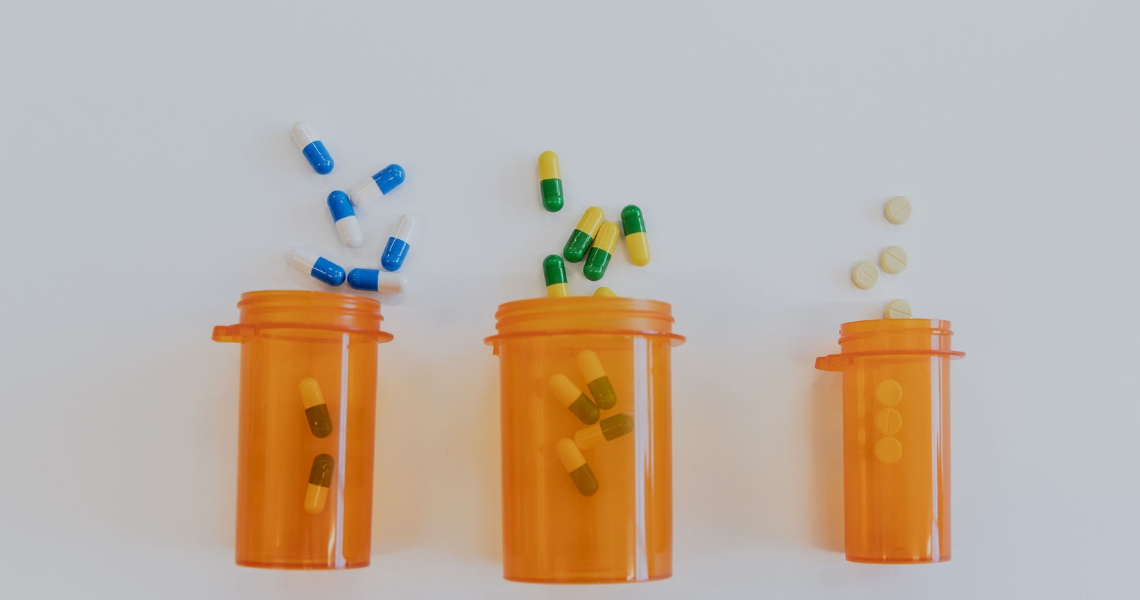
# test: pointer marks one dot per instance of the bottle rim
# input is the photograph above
(859, 331)
(267, 310)
(584, 315)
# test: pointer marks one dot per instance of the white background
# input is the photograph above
(147, 180)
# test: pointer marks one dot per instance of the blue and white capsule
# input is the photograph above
(376, 186)
(313, 148)
(373, 280)
(398, 244)
(319, 267)
(347, 225)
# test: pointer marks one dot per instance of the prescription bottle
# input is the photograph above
(305, 430)
(896, 438)
(586, 499)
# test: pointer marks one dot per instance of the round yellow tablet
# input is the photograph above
(897, 210)
(865, 275)
(893, 260)
(897, 309)
(888, 421)
(888, 392)
(888, 450)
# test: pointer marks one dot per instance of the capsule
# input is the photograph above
(316, 411)
(321, 268)
(347, 225)
(636, 242)
(312, 148)
(604, 292)
(577, 467)
(550, 181)
(554, 270)
(573, 399)
(373, 280)
(583, 236)
(596, 380)
(376, 186)
(398, 244)
(605, 430)
(599, 257)
(320, 479)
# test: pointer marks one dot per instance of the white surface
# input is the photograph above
(761, 140)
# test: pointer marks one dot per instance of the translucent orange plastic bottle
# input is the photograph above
(552, 532)
(896, 438)
(304, 492)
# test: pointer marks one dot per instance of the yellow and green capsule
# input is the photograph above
(555, 272)
(316, 411)
(583, 236)
(550, 181)
(604, 292)
(320, 479)
(599, 257)
(605, 430)
(633, 224)
(596, 380)
(573, 399)
(577, 467)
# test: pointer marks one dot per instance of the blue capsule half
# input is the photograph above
(398, 244)
(319, 267)
(340, 206)
(313, 148)
(389, 177)
(373, 280)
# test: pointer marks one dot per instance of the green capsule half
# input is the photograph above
(583, 236)
(616, 426)
(584, 410)
(632, 221)
(550, 181)
(603, 392)
(584, 480)
(554, 272)
(603, 431)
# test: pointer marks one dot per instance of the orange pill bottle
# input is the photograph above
(896, 438)
(552, 531)
(304, 490)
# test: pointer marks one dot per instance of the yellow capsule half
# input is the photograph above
(316, 411)
(605, 292)
(548, 166)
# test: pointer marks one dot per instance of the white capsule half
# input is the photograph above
(348, 228)
(391, 283)
(303, 260)
(366, 193)
(303, 135)
(405, 228)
